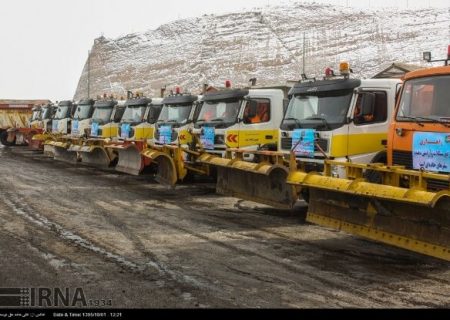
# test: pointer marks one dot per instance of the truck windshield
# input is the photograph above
(175, 114)
(320, 111)
(36, 115)
(82, 112)
(133, 114)
(102, 115)
(425, 99)
(219, 112)
(45, 113)
(62, 112)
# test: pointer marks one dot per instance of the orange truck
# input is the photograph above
(419, 135)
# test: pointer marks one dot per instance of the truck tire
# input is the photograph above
(4, 139)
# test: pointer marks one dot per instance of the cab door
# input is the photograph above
(256, 126)
(367, 131)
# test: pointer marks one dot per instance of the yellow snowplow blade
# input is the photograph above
(130, 159)
(263, 182)
(168, 160)
(62, 153)
(410, 218)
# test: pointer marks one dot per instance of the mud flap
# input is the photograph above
(62, 154)
(410, 225)
(130, 160)
(95, 156)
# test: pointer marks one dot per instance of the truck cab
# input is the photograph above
(106, 118)
(419, 135)
(338, 119)
(35, 117)
(46, 117)
(62, 118)
(138, 119)
(240, 118)
(82, 118)
(176, 119)
(136, 127)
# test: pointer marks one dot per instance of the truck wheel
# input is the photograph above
(4, 139)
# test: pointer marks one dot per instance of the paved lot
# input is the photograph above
(140, 244)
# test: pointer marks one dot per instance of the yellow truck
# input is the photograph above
(135, 128)
(104, 126)
(80, 122)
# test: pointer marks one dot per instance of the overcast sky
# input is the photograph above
(44, 43)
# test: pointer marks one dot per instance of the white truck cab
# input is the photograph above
(105, 119)
(176, 120)
(339, 119)
(240, 118)
(82, 118)
(138, 119)
(62, 118)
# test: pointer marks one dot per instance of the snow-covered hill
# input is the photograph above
(263, 43)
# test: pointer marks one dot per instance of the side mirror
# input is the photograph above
(367, 104)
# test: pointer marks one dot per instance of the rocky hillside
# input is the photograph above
(264, 43)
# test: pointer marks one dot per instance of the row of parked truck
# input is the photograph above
(371, 157)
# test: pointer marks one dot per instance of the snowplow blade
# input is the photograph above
(94, 155)
(166, 172)
(412, 219)
(130, 160)
(260, 182)
(63, 154)
(49, 149)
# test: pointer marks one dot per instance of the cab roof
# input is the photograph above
(324, 86)
(180, 99)
(138, 102)
(436, 71)
(105, 103)
(225, 94)
(65, 103)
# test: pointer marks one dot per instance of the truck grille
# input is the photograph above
(437, 185)
(402, 158)
(405, 158)
(286, 144)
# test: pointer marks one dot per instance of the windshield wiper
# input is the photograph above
(325, 122)
(168, 121)
(217, 120)
(297, 122)
(445, 124)
(415, 119)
